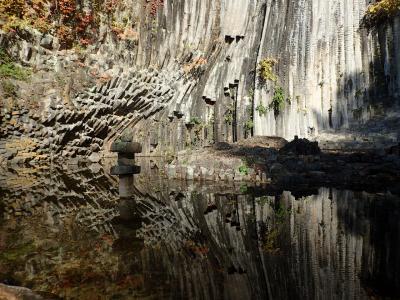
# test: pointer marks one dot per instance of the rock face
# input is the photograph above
(17, 293)
(301, 147)
(337, 74)
(190, 77)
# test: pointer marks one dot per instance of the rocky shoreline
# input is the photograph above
(8, 292)
(299, 163)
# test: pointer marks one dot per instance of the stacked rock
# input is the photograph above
(126, 167)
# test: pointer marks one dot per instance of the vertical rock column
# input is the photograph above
(126, 167)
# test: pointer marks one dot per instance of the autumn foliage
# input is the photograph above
(380, 13)
(67, 19)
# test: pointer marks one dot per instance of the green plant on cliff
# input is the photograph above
(266, 73)
(263, 200)
(261, 109)
(195, 121)
(228, 116)
(266, 70)
(9, 69)
(380, 13)
(243, 188)
(244, 170)
(278, 100)
(248, 125)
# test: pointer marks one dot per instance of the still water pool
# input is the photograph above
(67, 231)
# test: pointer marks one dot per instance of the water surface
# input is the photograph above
(67, 231)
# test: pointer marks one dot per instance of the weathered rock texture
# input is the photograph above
(198, 60)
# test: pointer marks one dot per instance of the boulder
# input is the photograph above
(94, 158)
(47, 42)
(301, 147)
(17, 293)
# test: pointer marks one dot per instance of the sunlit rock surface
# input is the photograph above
(189, 78)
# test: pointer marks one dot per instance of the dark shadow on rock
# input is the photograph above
(367, 103)
(375, 217)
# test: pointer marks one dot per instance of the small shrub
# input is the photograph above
(67, 9)
(262, 110)
(9, 69)
(263, 200)
(228, 116)
(65, 36)
(278, 100)
(248, 125)
(380, 13)
(266, 70)
(243, 189)
(251, 94)
(195, 121)
(244, 170)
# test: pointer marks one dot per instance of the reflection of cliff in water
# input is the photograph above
(67, 232)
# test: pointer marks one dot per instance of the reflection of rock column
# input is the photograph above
(126, 167)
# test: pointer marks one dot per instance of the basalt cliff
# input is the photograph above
(187, 74)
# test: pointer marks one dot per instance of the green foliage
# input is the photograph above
(9, 69)
(228, 116)
(248, 125)
(266, 70)
(244, 170)
(262, 110)
(251, 94)
(195, 121)
(265, 73)
(380, 13)
(17, 252)
(278, 100)
(263, 200)
(243, 188)
(281, 213)
(249, 109)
